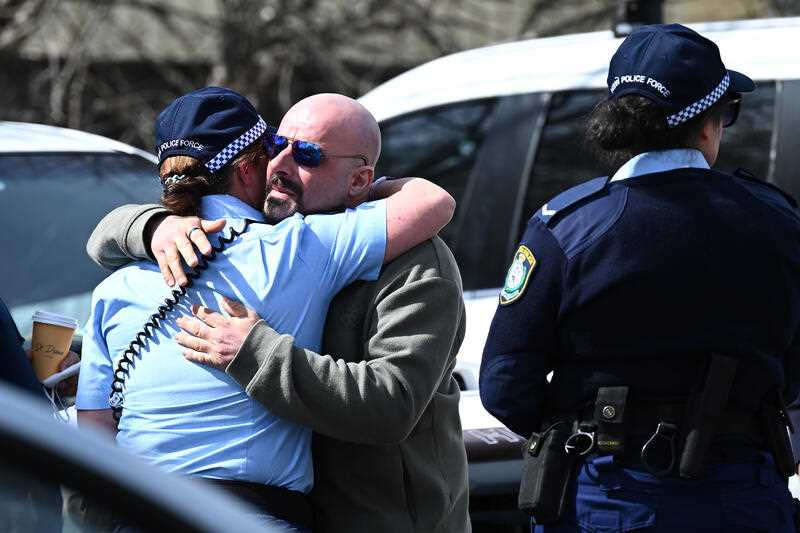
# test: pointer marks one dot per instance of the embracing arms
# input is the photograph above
(382, 371)
(416, 210)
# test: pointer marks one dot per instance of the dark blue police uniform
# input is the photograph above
(634, 282)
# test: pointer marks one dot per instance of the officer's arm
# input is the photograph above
(120, 237)
(523, 339)
(416, 209)
(102, 419)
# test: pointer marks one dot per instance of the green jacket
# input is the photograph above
(388, 449)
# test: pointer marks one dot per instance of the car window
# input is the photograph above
(440, 144)
(562, 158)
(785, 148)
(746, 144)
(485, 227)
(445, 143)
(50, 203)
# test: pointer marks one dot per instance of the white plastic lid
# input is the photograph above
(57, 320)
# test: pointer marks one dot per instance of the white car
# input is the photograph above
(501, 128)
(55, 186)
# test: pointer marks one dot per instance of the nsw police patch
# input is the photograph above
(518, 275)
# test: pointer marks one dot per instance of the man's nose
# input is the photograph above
(281, 161)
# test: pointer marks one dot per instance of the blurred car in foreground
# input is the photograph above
(55, 185)
(38, 449)
(501, 128)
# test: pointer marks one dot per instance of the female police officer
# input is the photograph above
(665, 298)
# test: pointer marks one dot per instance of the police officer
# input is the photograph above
(665, 299)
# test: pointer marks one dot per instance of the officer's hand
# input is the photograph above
(173, 239)
(214, 339)
(68, 387)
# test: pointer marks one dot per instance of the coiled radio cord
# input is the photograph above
(123, 370)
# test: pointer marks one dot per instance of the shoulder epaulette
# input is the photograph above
(745, 174)
(570, 197)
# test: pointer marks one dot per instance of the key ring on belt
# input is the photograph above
(582, 442)
(664, 431)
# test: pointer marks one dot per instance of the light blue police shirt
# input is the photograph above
(195, 420)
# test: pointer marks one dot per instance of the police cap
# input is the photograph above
(675, 67)
(212, 124)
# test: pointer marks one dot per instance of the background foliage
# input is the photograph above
(109, 66)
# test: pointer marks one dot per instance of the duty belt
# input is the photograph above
(663, 436)
(652, 436)
(644, 419)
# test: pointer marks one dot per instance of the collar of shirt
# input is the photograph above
(214, 206)
(661, 161)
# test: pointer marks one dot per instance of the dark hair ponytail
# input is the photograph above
(186, 180)
(618, 129)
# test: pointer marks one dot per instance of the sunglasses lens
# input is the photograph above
(273, 144)
(731, 113)
(307, 154)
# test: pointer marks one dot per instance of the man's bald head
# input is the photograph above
(339, 117)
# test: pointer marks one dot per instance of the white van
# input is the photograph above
(501, 128)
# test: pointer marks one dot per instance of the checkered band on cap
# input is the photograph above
(701, 105)
(233, 149)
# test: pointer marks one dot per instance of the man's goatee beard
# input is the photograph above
(277, 210)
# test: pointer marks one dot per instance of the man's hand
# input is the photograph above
(214, 339)
(173, 239)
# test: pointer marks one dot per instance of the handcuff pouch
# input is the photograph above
(609, 415)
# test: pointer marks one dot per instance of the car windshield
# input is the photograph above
(50, 203)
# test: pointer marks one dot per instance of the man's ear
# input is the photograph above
(360, 182)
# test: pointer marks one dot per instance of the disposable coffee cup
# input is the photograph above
(52, 335)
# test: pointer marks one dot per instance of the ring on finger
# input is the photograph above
(189, 233)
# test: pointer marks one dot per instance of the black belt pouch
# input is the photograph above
(546, 473)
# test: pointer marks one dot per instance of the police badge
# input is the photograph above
(518, 275)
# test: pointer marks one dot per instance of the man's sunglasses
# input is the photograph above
(305, 153)
(730, 111)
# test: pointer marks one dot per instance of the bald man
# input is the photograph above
(344, 130)
(388, 451)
